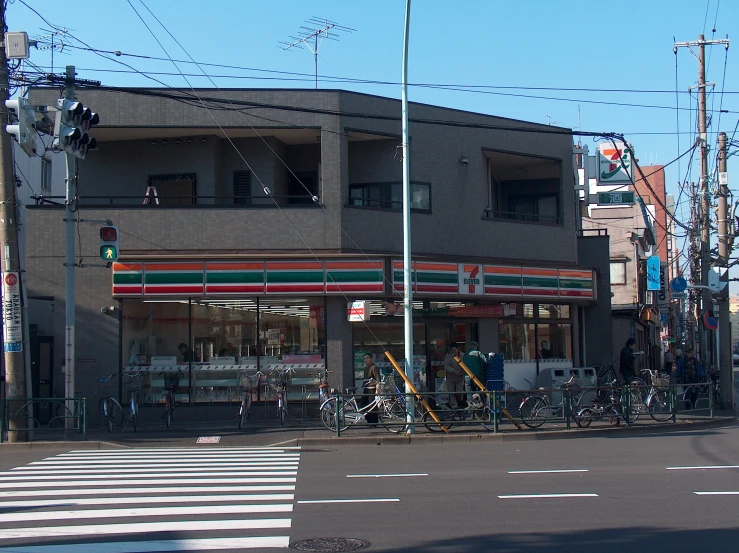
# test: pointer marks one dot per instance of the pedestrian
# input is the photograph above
(454, 378)
(626, 362)
(546, 352)
(690, 371)
(669, 359)
(371, 379)
(476, 362)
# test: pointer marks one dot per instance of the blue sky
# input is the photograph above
(525, 43)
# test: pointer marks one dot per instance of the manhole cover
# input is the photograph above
(330, 544)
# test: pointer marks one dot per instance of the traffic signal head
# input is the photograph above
(109, 243)
(24, 130)
(72, 122)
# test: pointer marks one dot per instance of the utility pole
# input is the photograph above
(705, 200)
(726, 369)
(70, 299)
(15, 380)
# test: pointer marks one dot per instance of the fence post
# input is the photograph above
(2, 420)
(673, 402)
(494, 411)
(83, 410)
(627, 407)
(567, 398)
(336, 415)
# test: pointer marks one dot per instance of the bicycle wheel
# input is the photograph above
(283, 416)
(167, 413)
(328, 414)
(485, 418)
(530, 411)
(242, 415)
(639, 394)
(585, 417)
(392, 415)
(660, 408)
(613, 415)
(434, 426)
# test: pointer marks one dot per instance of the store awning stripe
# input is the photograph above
(422, 267)
(295, 288)
(120, 267)
(233, 277)
(171, 289)
(169, 267)
(353, 276)
(348, 265)
(539, 282)
(127, 290)
(568, 283)
(588, 275)
(362, 287)
(294, 265)
(488, 269)
(435, 277)
(529, 271)
(435, 288)
(499, 280)
(504, 290)
(549, 292)
(173, 278)
(239, 267)
(576, 293)
(127, 278)
(294, 276)
(234, 288)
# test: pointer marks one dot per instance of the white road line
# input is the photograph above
(168, 453)
(181, 474)
(187, 449)
(42, 465)
(144, 490)
(133, 484)
(716, 493)
(385, 475)
(142, 528)
(547, 495)
(157, 546)
(349, 501)
(258, 471)
(553, 471)
(34, 516)
(233, 458)
(706, 467)
(145, 499)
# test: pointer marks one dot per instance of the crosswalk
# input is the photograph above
(151, 500)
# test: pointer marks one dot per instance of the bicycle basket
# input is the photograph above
(660, 380)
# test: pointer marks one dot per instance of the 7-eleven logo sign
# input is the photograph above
(470, 279)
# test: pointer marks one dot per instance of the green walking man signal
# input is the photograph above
(109, 243)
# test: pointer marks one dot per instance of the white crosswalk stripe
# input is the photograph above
(150, 500)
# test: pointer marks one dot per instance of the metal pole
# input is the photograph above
(14, 370)
(705, 207)
(726, 369)
(69, 213)
(407, 271)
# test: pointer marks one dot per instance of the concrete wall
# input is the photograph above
(596, 320)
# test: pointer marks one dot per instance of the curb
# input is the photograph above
(46, 445)
(426, 439)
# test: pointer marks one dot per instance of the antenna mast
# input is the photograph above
(312, 35)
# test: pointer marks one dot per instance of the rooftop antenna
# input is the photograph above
(312, 35)
(52, 39)
(550, 120)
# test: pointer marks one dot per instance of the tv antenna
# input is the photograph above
(53, 40)
(312, 35)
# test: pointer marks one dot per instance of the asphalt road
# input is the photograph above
(603, 494)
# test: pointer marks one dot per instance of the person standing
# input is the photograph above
(669, 359)
(454, 378)
(626, 361)
(690, 371)
(371, 380)
(476, 361)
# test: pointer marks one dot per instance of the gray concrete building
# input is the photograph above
(250, 219)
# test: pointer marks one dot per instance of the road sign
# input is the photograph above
(710, 321)
(679, 284)
(679, 295)
(615, 198)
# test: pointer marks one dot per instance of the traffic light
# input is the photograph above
(72, 122)
(109, 243)
(24, 130)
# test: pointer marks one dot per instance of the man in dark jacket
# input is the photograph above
(689, 371)
(626, 363)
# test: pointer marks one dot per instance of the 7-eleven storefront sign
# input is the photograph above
(471, 279)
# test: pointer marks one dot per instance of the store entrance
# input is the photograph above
(441, 335)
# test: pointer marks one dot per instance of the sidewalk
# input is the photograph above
(221, 421)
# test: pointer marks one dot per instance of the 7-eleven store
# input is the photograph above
(212, 320)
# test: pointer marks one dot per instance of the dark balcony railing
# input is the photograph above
(186, 202)
(490, 214)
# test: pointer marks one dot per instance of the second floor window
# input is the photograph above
(389, 195)
(171, 189)
(618, 272)
(45, 175)
(242, 187)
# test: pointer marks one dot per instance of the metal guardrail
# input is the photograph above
(48, 415)
(186, 202)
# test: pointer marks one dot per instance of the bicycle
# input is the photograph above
(477, 410)
(109, 408)
(133, 399)
(281, 389)
(390, 412)
(247, 383)
(653, 399)
(600, 410)
(604, 374)
(171, 384)
(535, 409)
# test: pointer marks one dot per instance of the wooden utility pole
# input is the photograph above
(15, 380)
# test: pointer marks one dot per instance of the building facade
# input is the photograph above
(247, 228)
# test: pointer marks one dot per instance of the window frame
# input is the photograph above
(385, 202)
(45, 174)
(622, 262)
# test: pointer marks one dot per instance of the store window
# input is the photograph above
(555, 341)
(517, 340)
(553, 311)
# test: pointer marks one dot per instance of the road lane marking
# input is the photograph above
(157, 546)
(547, 495)
(553, 471)
(384, 500)
(145, 499)
(706, 467)
(186, 449)
(133, 483)
(716, 493)
(102, 471)
(157, 458)
(41, 465)
(181, 474)
(35, 516)
(145, 490)
(142, 528)
(385, 475)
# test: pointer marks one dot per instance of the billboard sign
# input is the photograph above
(12, 323)
(615, 165)
(653, 266)
(663, 295)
